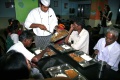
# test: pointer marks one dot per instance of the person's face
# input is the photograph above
(110, 38)
(76, 27)
(29, 42)
(105, 8)
(44, 8)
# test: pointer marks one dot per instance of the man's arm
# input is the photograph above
(70, 31)
(42, 27)
(36, 58)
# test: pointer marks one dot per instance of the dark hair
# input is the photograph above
(79, 21)
(26, 35)
(15, 22)
(10, 20)
(12, 28)
(13, 66)
(108, 7)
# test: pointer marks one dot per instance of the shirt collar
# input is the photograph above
(111, 45)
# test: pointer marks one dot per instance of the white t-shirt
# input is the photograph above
(14, 37)
(19, 47)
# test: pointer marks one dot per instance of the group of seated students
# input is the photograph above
(19, 62)
(107, 49)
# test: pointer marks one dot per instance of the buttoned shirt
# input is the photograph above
(80, 41)
(19, 47)
(109, 54)
(37, 16)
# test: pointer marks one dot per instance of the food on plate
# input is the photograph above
(71, 73)
(50, 53)
(58, 47)
(38, 51)
(78, 59)
(66, 46)
(72, 55)
(59, 35)
(61, 75)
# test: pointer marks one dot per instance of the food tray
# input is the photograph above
(65, 70)
(63, 48)
(49, 53)
(59, 35)
(82, 59)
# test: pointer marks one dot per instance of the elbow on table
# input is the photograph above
(35, 60)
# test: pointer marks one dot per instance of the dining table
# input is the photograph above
(91, 72)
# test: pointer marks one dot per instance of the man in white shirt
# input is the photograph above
(43, 21)
(25, 40)
(78, 37)
(108, 49)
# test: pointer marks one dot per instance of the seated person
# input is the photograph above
(78, 37)
(108, 50)
(10, 21)
(20, 27)
(13, 66)
(25, 40)
(12, 37)
(16, 23)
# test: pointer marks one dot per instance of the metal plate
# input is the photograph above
(49, 53)
(65, 70)
(63, 48)
(59, 35)
(82, 61)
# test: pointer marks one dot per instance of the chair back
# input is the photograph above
(9, 42)
(2, 46)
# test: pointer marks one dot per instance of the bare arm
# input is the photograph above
(42, 27)
(36, 58)
(70, 31)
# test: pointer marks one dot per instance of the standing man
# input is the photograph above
(78, 37)
(42, 20)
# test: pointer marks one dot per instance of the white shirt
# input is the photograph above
(37, 16)
(109, 54)
(14, 37)
(81, 41)
(19, 47)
